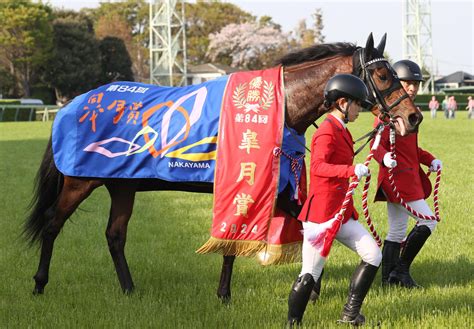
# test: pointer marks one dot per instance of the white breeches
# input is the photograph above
(398, 219)
(351, 234)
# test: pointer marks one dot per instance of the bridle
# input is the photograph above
(362, 70)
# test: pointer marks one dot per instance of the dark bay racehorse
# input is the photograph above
(305, 73)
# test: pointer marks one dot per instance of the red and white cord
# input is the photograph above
(395, 191)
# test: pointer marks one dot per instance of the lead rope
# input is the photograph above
(365, 192)
(402, 202)
(353, 185)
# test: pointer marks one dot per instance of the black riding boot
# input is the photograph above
(390, 258)
(415, 240)
(316, 289)
(298, 299)
(361, 281)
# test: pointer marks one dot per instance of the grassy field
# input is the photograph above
(175, 288)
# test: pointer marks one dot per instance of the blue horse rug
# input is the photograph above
(135, 130)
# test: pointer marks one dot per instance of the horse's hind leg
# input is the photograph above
(123, 196)
(223, 291)
(74, 191)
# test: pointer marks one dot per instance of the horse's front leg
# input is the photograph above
(123, 196)
(223, 291)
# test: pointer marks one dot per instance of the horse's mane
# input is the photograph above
(316, 52)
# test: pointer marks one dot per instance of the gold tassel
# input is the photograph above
(231, 247)
(275, 254)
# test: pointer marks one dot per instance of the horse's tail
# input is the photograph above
(48, 185)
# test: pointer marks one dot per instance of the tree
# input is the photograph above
(129, 21)
(116, 62)
(112, 25)
(75, 65)
(268, 21)
(306, 37)
(204, 18)
(7, 84)
(244, 45)
(318, 26)
(25, 36)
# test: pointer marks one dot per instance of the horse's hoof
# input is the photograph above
(38, 291)
(128, 291)
(224, 299)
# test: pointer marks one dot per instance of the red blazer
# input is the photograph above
(411, 181)
(332, 153)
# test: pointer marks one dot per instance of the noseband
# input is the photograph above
(362, 70)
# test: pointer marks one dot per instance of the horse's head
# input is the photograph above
(385, 90)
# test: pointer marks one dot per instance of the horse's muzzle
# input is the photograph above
(415, 119)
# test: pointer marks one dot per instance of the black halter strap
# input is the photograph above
(364, 74)
(361, 69)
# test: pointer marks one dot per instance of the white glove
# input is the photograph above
(388, 161)
(361, 170)
(435, 165)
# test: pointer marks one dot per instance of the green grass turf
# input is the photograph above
(175, 288)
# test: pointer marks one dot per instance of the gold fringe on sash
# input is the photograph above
(275, 254)
(231, 247)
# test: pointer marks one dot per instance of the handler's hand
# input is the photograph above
(361, 170)
(435, 165)
(388, 161)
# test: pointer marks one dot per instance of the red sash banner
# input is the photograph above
(284, 241)
(285, 236)
(247, 165)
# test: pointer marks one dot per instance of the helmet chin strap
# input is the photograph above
(346, 113)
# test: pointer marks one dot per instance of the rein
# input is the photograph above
(371, 134)
(412, 211)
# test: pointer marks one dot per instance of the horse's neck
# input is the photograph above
(304, 87)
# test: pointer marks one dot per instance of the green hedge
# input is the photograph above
(423, 100)
(22, 114)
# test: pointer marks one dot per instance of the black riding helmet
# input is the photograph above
(408, 70)
(346, 86)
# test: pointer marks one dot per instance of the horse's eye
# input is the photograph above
(383, 77)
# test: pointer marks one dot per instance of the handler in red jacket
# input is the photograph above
(332, 156)
(412, 184)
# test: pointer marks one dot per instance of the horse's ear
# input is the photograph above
(381, 46)
(369, 47)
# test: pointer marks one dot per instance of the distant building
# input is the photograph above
(457, 82)
(204, 72)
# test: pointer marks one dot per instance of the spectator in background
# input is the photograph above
(452, 107)
(444, 106)
(470, 107)
(434, 106)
